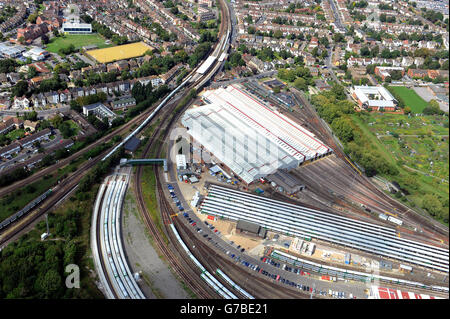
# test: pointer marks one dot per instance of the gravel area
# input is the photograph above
(157, 281)
(425, 94)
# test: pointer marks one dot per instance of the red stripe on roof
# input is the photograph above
(267, 130)
(282, 119)
(405, 295)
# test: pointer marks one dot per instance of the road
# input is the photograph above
(337, 16)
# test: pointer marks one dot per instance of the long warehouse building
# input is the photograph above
(249, 137)
(300, 221)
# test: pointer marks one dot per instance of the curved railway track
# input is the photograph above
(98, 239)
(48, 170)
(59, 192)
(190, 275)
(373, 195)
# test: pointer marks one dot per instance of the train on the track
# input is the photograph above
(24, 211)
(205, 275)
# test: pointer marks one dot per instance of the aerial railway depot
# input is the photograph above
(251, 195)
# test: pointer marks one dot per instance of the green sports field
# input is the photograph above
(78, 40)
(411, 98)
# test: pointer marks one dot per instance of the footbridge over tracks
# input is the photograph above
(144, 161)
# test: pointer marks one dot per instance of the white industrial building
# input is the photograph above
(36, 54)
(100, 111)
(76, 28)
(249, 137)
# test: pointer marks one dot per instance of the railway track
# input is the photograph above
(187, 271)
(145, 117)
(260, 287)
(189, 275)
(49, 170)
(59, 192)
(371, 194)
(98, 255)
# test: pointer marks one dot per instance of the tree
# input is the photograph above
(278, 34)
(44, 39)
(49, 283)
(431, 204)
(432, 108)
(32, 72)
(20, 88)
(21, 40)
(407, 110)
(301, 84)
(339, 91)
(343, 129)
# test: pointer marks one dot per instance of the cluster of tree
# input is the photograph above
(432, 108)
(53, 84)
(8, 65)
(333, 107)
(395, 75)
(359, 4)
(384, 6)
(34, 269)
(20, 89)
(433, 64)
(160, 65)
(386, 18)
(432, 15)
(424, 36)
(80, 101)
(234, 60)
(338, 37)
(293, 6)
(7, 12)
(14, 176)
(358, 16)
(99, 171)
(207, 36)
(68, 50)
(63, 126)
(199, 53)
(301, 77)
(413, 21)
(280, 20)
(436, 206)
(366, 52)
(141, 92)
(151, 98)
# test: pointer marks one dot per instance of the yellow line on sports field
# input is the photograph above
(120, 52)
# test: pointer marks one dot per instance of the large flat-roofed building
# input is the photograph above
(374, 98)
(99, 110)
(248, 137)
(76, 28)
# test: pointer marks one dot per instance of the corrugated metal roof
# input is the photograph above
(248, 137)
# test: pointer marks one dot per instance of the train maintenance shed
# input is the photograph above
(248, 136)
(300, 221)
